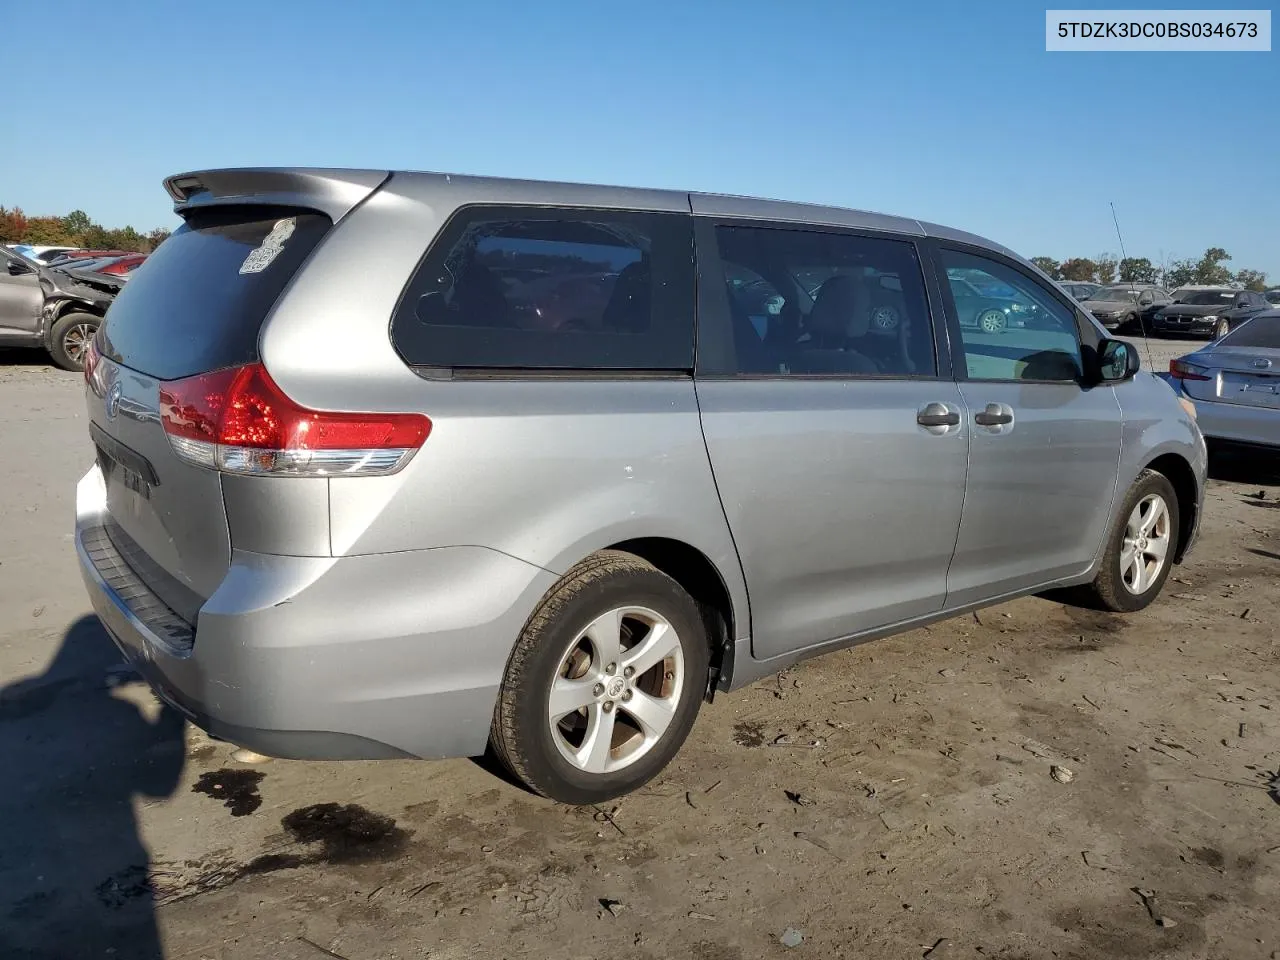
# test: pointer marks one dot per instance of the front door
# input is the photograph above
(1044, 448)
(838, 449)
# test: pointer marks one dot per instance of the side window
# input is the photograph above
(1011, 327)
(807, 302)
(537, 288)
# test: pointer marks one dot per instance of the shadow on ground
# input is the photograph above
(1244, 465)
(81, 742)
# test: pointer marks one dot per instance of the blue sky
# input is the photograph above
(950, 112)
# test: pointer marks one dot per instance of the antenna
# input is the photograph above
(1142, 323)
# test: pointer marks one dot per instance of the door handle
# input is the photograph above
(993, 416)
(937, 415)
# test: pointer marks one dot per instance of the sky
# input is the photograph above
(950, 111)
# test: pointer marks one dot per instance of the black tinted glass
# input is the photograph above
(804, 302)
(1258, 332)
(553, 289)
(201, 302)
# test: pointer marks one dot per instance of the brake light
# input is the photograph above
(239, 421)
(91, 358)
(1181, 370)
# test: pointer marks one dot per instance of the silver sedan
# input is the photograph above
(1234, 383)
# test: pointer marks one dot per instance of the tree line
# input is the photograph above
(76, 229)
(1106, 268)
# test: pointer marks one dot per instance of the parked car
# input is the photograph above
(41, 253)
(987, 311)
(1212, 312)
(1078, 289)
(1272, 296)
(63, 259)
(1234, 383)
(350, 500)
(58, 310)
(1127, 307)
(123, 266)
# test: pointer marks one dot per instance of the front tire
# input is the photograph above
(604, 684)
(992, 321)
(1222, 329)
(1141, 549)
(70, 337)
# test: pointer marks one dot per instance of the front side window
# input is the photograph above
(1023, 334)
(553, 289)
(812, 303)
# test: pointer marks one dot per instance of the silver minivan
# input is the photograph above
(412, 465)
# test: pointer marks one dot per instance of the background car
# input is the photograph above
(1234, 383)
(1079, 289)
(1127, 306)
(1209, 312)
(1272, 296)
(987, 306)
(41, 253)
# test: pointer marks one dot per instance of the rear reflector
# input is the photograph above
(1181, 370)
(239, 421)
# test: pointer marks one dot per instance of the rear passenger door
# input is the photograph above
(1044, 447)
(836, 433)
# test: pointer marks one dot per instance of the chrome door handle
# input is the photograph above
(993, 416)
(937, 415)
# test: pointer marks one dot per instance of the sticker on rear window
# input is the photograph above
(261, 256)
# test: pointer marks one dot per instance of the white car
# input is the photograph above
(41, 253)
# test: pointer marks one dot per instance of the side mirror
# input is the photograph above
(17, 268)
(1117, 361)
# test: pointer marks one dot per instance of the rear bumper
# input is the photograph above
(1254, 426)
(390, 655)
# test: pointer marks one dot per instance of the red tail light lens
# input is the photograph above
(91, 358)
(239, 421)
(1181, 370)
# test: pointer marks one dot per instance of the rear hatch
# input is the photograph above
(1242, 368)
(197, 306)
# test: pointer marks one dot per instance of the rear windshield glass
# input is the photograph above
(200, 303)
(1258, 332)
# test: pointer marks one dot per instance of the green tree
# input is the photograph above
(1180, 273)
(1105, 266)
(76, 223)
(1252, 279)
(1210, 268)
(46, 230)
(1049, 266)
(1137, 270)
(156, 237)
(1078, 268)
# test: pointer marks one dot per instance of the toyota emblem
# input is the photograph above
(113, 400)
(1262, 363)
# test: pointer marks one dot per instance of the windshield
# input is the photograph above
(1115, 294)
(1207, 298)
(1261, 332)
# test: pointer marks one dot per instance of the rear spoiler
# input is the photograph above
(332, 192)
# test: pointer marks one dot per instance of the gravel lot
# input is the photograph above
(895, 800)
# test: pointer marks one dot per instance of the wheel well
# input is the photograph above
(1183, 478)
(689, 567)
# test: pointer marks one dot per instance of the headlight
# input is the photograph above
(1211, 318)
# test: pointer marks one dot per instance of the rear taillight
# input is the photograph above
(92, 356)
(238, 421)
(1181, 370)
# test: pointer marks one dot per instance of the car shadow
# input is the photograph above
(1244, 465)
(24, 357)
(81, 743)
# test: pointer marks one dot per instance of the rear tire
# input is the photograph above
(70, 337)
(1140, 549)
(608, 610)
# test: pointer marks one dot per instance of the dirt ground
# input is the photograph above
(894, 800)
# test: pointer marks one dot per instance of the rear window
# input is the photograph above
(201, 302)
(540, 288)
(1258, 332)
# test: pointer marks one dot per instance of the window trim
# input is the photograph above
(715, 324)
(1087, 337)
(449, 232)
